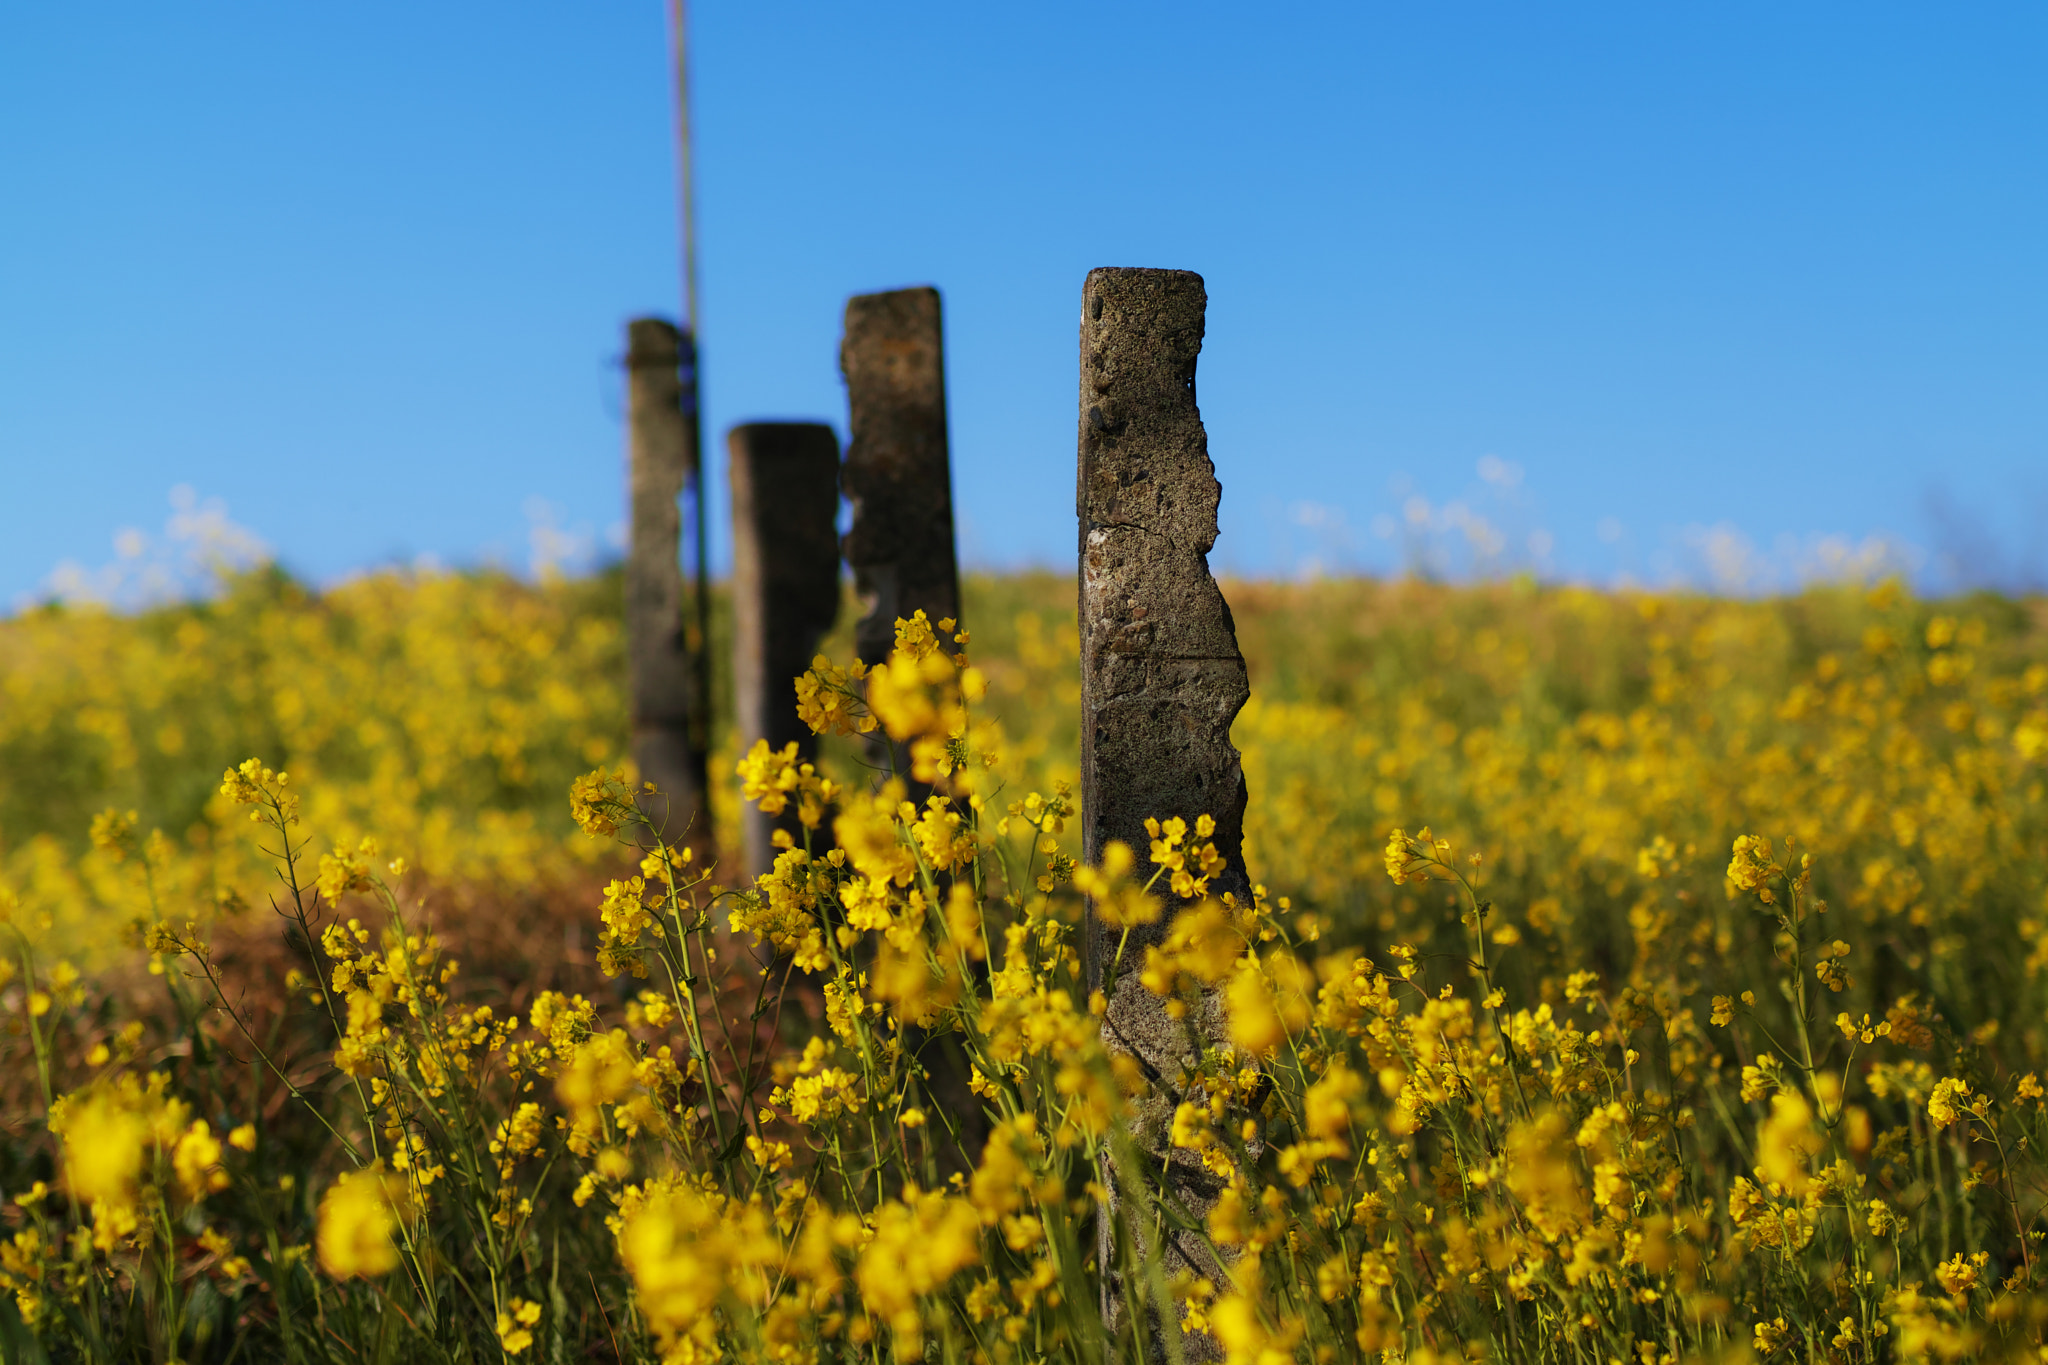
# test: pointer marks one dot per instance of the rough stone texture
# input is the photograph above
(1161, 675)
(897, 473)
(785, 586)
(668, 733)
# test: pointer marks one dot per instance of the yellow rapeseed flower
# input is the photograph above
(515, 1325)
(1787, 1142)
(359, 1224)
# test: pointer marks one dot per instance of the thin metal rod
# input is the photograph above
(679, 23)
(693, 392)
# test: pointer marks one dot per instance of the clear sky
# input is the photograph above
(1732, 292)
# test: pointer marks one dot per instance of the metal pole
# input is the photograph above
(699, 642)
(679, 24)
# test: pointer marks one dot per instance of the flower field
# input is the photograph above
(1631, 978)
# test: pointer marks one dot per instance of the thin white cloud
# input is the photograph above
(198, 545)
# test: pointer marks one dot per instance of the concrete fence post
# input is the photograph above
(664, 627)
(1161, 681)
(898, 474)
(785, 591)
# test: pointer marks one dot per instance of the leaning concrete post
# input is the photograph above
(668, 720)
(785, 589)
(1161, 677)
(897, 474)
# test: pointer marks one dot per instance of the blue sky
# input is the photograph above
(1734, 293)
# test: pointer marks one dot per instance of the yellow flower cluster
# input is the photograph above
(442, 711)
(360, 1220)
(768, 778)
(130, 1150)
(1590, 1067)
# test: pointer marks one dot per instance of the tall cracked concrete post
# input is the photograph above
(898, 472)
(670, 726)
(1161, 681)
(785, 589)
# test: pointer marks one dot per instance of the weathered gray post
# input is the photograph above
(785, 590)
(669, 729)
(897, 475)
(1161, 678)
